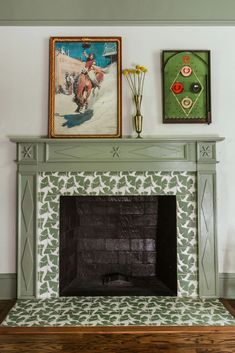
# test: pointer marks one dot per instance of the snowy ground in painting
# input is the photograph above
(103, 103)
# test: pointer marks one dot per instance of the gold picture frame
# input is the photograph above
(85, 87)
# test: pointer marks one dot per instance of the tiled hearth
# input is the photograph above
(119, 311)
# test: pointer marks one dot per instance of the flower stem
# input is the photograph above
(129, 83)
(142, 88)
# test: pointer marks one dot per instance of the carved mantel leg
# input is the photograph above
(207, 238)
(27, 219)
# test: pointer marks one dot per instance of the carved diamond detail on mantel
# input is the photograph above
(27, 263)
(27, 206)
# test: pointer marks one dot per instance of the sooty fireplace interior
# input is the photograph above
(118, 245)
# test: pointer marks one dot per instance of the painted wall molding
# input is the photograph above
(112, 12)
(7, 286)
(227, 285)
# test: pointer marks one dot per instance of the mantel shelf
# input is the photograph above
(125, 139)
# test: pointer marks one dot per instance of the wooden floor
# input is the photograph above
(117, 339)
(5, 306)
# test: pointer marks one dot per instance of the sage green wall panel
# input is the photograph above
(207, 250)
(7, 286)
(26, 234)
(93, 12)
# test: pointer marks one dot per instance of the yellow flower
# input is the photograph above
(132, 71)
(138, 67)
(125, 72)
(138, 71)
(143, 69)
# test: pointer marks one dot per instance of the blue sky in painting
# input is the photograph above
(76, 51)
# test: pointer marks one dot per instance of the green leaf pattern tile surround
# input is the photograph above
(119, 311)
(51, 185)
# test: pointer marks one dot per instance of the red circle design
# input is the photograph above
(186, 59)
(177, 87)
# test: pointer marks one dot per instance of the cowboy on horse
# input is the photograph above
(89, 78)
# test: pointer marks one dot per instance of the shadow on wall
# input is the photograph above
(157, 57)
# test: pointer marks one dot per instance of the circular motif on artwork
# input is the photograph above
(196, 87)
(177, 87)
(186, 71)
(186, 103)
(186, 59)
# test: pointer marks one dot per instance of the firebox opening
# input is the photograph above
(118, 245)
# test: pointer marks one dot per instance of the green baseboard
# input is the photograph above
(7, 286)
(227, 285)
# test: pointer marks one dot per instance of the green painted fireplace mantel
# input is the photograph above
(166, 153)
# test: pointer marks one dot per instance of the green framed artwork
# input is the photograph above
(186, 86)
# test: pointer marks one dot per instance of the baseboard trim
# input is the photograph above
(7, 286)
(227, 285)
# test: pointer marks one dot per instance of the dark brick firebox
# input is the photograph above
(118, 245)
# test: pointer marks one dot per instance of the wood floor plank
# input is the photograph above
(55, 348)
(229, 305)
(165, 340)
(106, 345)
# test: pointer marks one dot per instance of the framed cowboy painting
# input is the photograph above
(85, 87)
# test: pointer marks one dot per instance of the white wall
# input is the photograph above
(24, 66)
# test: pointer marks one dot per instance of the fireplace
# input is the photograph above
(53, 186)
(181, 169)
(118, 245)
